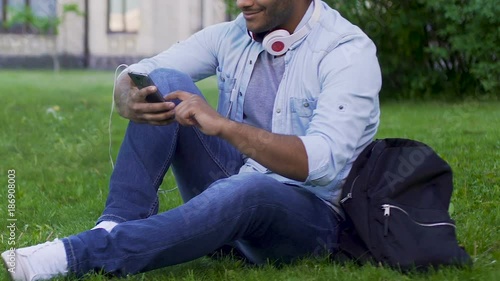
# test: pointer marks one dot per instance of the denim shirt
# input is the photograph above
(328, 95)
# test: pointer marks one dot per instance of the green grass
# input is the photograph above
(62, 171)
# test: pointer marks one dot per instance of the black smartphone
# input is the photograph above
(142, 80)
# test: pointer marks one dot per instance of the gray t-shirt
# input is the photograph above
(262, 89)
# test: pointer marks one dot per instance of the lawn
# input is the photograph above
(54, 135)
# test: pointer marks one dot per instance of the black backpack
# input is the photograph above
(396, 201)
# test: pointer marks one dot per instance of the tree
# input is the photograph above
(432, 48)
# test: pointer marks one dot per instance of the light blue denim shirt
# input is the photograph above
(328, 95)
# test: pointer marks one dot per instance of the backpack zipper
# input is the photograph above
(387, 213)
(349, 195)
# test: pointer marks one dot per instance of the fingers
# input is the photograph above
(138, 101)
(154, 113)
(140, 111)
(163, 113)
(195, 111)
(146, 107)
(185, 112)
(186, 116)
(159, 119)
(181, 95)
(140, 95)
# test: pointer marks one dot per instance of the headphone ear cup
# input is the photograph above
(276, 42)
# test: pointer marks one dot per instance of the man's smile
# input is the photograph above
(250, 15)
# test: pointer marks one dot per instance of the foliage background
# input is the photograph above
(439, 49)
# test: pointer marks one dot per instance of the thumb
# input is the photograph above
(147, 91)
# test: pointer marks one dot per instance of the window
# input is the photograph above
(23, 9)
(2, 13)
(124, 16)
(44, 8)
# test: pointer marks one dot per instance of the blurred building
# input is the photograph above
(109, 32)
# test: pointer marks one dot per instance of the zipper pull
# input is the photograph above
(349, 196)
(387, 209)
(387, 213)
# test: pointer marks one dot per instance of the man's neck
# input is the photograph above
(298, 13)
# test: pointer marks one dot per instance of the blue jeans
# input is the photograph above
(264, 218)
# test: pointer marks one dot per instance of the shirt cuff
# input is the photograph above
(319, 157)
(137, 67)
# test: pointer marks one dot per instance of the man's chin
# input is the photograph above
(256, 28)
(257, 31)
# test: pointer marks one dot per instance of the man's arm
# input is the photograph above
(282, 154)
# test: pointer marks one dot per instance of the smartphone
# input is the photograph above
(142, 80)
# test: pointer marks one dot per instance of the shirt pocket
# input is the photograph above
(302, 112)
(225, 84)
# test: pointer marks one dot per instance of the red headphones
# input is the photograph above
(278, 42)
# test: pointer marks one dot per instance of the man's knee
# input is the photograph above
(249, 188)
(169, 73)
(169, 80)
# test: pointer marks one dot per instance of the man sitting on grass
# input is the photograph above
(263, 173)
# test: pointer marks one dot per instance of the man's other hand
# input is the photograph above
(193, 110)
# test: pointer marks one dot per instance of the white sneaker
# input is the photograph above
(39, 262)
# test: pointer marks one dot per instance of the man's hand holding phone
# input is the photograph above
(141, 81)
(141, 102)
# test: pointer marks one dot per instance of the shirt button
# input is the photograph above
(306, 104)
(278, 111)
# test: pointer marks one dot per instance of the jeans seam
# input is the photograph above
(211, 154)
(163, 171)
(121, 219)
(153, 208)
(73, 265)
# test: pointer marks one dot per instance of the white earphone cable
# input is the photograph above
(111, 114)
(109, 125)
